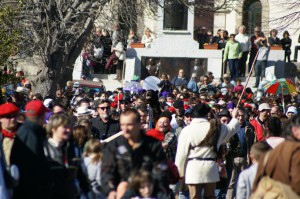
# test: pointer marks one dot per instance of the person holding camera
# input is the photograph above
(262, 58)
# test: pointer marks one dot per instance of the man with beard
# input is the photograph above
(104, 123)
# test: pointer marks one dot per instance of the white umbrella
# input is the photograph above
(150, 83)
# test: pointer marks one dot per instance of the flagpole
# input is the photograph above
(247, 81)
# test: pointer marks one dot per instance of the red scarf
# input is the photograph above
(7, 134)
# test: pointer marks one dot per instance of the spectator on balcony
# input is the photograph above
(262, 58)
(286, 42)
(297, 47)
(221, 41)
(147, 38)
(254, 48)
(245, 47)
(132, 38)
(233, 53)
(216, 37)
(203, 37)
(273, 40)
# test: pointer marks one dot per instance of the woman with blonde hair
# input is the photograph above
(147, 38)
(92, 163)
(60, 154)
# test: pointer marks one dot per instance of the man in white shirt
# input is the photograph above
(245, 43)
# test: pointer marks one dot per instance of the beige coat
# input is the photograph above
(200, 171)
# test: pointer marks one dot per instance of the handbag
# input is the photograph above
(269, 188)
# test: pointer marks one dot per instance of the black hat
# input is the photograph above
(225, 113)
(200, 110)
(178, 104)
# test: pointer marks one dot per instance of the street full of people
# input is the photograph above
(216, 141)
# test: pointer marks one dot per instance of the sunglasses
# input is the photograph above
(104, 108)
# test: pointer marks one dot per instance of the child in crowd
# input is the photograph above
(92, 163)
(142, 185)
(246, 177)
(239, 87)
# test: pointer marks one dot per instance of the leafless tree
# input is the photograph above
(56, 30)
(287, 15)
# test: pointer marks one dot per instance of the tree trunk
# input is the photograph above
(49, 79)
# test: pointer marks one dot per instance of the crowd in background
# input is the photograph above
(190, 139)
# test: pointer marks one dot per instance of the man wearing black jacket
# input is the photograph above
(130, 152)
(104, 124)
(28, 154)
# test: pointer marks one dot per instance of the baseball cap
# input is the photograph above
(292, 110)
(264, 106)
(76, 85)
(35, 108)
(8, 109)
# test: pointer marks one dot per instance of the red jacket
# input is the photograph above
(259, 130)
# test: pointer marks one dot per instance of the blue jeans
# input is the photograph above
(233, 66)
(220, 193)
(260, 68)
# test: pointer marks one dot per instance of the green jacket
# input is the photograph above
(232, 50)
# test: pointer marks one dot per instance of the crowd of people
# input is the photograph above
(105, 52)
(237, 47)
(178, 142)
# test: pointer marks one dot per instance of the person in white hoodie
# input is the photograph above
(197, 147)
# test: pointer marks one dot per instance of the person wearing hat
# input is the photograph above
(259, 122)
(224, 116)
(196, 150)
(292, 110)
(28, 154)
(9, 127)
(177, 117)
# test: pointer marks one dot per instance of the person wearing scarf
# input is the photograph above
(9, 127)
(162, 132)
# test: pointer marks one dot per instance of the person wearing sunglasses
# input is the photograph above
(104, 123)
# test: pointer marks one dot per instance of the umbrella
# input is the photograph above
(280, 86)
(150, 83)
(133, 87)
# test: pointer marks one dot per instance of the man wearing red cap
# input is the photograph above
(28, 154)
(9, 127)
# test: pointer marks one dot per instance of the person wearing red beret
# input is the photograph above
(28, 154)
(9, 127)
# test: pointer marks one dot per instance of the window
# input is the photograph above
(175, 15)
